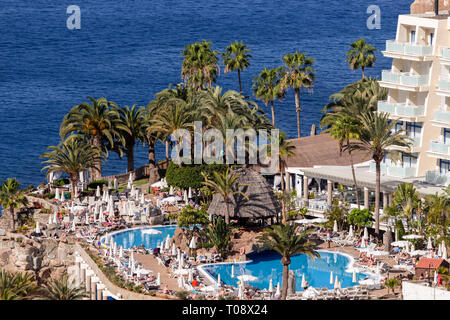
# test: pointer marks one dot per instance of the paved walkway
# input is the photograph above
(150, 262)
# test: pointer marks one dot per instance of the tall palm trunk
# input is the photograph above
(13, 217)
(130, 156)
(284, 288)
(167, 149)
(377, 197)
(273, 112)
(73, 182)
(227, 215)
(153, 171)
(96, 172)
(298, 109)
(363, 75)
(354, 177)
(283, 187)
(240, 83)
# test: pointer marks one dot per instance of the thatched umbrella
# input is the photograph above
(261, 202)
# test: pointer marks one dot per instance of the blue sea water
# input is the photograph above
(129, 50)
(266, 266)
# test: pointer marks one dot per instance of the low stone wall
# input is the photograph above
(418, 290)
(139, 173)
(109, 286)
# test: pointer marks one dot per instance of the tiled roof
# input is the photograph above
(426, 263)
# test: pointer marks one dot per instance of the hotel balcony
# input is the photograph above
(409, 51)
(402, 111)
(441, 118)
(395, 171)
(444, 87)
(436, 177)
(404, 81)
(439, 150)
(444, 55)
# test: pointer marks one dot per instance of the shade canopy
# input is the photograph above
(261, 202)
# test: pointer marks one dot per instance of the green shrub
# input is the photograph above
(312, 195)
(190, 175)
(61, 182)
(190, 216)
(182, 295)
(49, 195)
(94, 184)
(361, 218)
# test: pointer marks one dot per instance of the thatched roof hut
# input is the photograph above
(262, 202)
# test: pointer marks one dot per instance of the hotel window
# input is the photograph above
(408, 161)
(446, 136)
(431, 38)
(413, 36)
(398, 126)
(444, 166)
(413, 129)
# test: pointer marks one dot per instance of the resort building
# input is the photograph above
(418, 98)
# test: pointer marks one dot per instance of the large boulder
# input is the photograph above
(156, 220)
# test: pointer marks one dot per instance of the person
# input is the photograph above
(195, 283)
(328, 238)
(306, 285)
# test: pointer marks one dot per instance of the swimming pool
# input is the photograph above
(142, 236)
(266, 265)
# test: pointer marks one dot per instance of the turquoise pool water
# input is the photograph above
(137, 237)
(266, 265)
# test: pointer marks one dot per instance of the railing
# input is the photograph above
(404, 78)
(436, 177)
(442, 116)
(445, 52)
(408, 48)
(401, 109)
(439, 147)
(403, 172)
(444, 83)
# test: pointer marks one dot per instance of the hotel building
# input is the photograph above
(418, 86)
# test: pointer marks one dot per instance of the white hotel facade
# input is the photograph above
(418, 86)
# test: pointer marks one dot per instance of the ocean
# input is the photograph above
(129, 50)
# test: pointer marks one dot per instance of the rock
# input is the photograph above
(156, 220)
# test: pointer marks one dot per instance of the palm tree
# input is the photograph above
(377, 137)
(284, 151)
(287, 241)
(200, 65)
(98, 123)
(437, 208)
(299, 74)
(407, 197)
(226, 185)
(16, 286)
(11, 197)
(63, 290)
(219, 234)
(133, 119)
(150, 137)
(236, 57)
(72, 156)
(266, 87)
(361, 55)
(354, 100)
(344, 129)
(176, 116)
